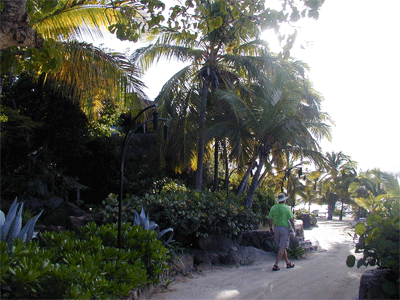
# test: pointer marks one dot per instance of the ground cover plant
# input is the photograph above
(82, 265)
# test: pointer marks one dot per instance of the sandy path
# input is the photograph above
(322, 275)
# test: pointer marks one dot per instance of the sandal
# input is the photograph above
(289, 265)
(275, 268)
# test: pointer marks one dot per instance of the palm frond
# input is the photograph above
(100, 74)
(86, 18)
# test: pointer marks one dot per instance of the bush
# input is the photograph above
(378, 240)
(311, 218)
(191, 214)
(80, 266)
(262, 203)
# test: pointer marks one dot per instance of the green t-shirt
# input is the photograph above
(281, 213)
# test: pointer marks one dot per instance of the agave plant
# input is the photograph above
(144, 221)
(10, 226)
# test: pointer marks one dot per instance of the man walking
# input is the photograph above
(280, 220)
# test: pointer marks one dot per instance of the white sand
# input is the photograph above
(322, 275)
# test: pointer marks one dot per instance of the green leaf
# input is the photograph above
(390, 288)
(351, 261)
(370, 219)
(360, 263)
(360, 229)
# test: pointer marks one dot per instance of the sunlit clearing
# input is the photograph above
(228, 294)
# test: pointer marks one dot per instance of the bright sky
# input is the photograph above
(354, 59)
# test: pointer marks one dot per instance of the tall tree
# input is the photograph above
(336, 168)
(209, 34)
(46, 42)
(370, 187)
(280, 117)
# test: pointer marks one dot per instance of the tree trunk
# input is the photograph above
(215, 188)
(253, 186)
(262, 177)
(225, 152)
(201, 144)
(341, 211)
(14, 26)
(331, 205)
(245, 180)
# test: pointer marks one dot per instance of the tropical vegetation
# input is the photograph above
(244, 125)
(86, 265)
(379, 236)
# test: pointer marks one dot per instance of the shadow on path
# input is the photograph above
(322, 275)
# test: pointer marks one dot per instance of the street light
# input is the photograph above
(128, 136)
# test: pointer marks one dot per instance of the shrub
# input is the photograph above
(262, 203)
(378, 240)
(194, 214)
(143, 243)
(191, 214)
(80, 266)
(312, 219)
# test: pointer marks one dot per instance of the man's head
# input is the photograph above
(281, 198)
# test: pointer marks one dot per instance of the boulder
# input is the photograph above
(231, 258)
(206, 257)
(248, 255)
(372, 284)
(216, 243)
(182, 263)
(74, 223)
(306, 218)
(53, 228)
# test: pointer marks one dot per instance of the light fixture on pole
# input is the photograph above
(127, 138)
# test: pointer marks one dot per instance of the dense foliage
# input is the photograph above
(191, 214)
(82, 266)
(379, 236)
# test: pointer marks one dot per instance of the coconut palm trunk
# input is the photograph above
(245, 180)
(201, 143)
(254, 182)
(215, 188)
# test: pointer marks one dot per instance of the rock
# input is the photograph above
(247, 255)
(306, 221)
(74, 223)
(255, 241)
(206, 257)
(371, 284)
(231, 258)
(42, 228)
(182, 263)
(75, 211)
(216, 243)
(266, 244)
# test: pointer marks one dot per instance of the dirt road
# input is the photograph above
(322, 275)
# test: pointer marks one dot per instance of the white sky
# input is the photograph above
(354, 60)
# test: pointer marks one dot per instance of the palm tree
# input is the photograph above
(281, 118)
(310, 191)
(79, 69)
(337, 168)
(370, 188)
(221, 50)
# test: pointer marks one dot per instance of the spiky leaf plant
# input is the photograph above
(144, 221)
(10, 225)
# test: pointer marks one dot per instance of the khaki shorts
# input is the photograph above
(282, 236)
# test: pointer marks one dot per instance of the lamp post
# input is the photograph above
(128, 136)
